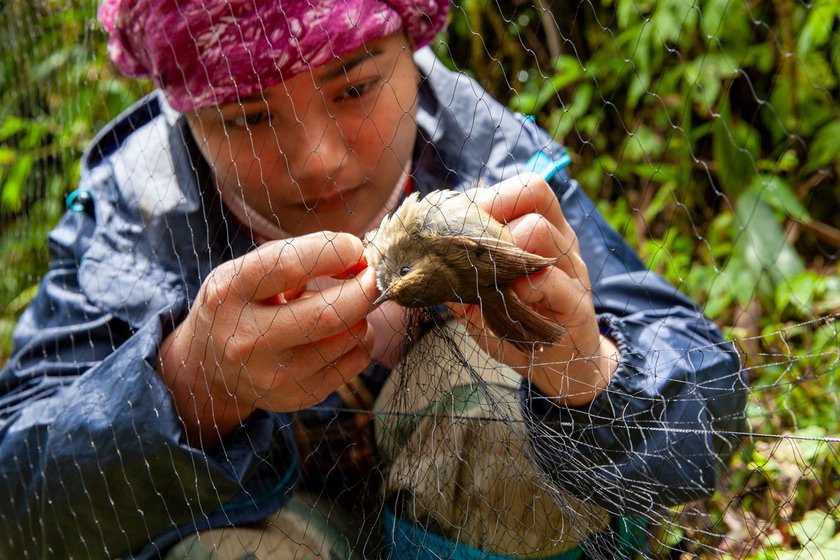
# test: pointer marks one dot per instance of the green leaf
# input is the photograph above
(734, 281)
(819, 76)
(707, 75)
(781, 108)
(668, 23)
(834, 53)
(831, 299)
(629, 12)
(11, 125)
(52, 63)
(762, 56)
(7, 156)
(564, 120)
(816, 527)
(762, 244)
(18, 304)
(825, 147)
(643, 145)
(524, 103)
(831, 549)
(811, 444)
(567, 70)
(778, 193)
(736, 147)
(638, 87)
(12, 193)
(817, 28)
(800, 291)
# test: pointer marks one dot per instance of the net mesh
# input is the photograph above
(705, 135)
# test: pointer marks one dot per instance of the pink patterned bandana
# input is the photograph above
(203, 53)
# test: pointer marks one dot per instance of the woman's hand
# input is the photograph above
(254, 338)
(577, 367)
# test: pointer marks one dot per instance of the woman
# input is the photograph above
(196, 357)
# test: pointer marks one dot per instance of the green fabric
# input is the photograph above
(632, 536)
(408, 541)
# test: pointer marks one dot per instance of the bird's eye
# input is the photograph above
(405, 270)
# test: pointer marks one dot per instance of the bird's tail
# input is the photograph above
(519, 324)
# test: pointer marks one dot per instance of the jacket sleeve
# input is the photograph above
(663, 430)
(93, 461)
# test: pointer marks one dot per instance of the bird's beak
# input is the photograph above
(385, 296)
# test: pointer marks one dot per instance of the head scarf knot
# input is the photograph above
(210, 52)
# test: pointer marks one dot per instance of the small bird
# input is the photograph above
(444, 248)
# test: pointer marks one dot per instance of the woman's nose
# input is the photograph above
(322, 150)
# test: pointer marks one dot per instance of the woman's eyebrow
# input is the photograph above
(240, 103)
(350, 63)
(250, 99)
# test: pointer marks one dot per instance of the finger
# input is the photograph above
(566, 298)
(285, 265)
(318, 316)
(315, 356)
(287, 377)
(490, 342)
(316, 387)
(518, 196)
(537, 235)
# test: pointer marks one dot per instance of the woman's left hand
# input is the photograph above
(578, 366)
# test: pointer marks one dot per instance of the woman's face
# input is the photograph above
(324, 149)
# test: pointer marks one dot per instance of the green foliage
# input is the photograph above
(707, 133)
(56, 91)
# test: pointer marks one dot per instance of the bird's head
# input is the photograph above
(405, 252)
(407, 275)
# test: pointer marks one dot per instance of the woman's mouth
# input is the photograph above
(332, 200)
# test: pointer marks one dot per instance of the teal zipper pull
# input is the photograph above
(545, 165)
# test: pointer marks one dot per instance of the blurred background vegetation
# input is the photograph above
(708, 132)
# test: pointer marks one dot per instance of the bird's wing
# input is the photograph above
(499, 260)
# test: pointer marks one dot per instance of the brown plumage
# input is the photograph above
(444, 248)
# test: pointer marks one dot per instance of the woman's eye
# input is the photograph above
(405, 270)
(358, 90)
(248, 119)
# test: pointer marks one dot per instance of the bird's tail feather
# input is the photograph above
(519, 324)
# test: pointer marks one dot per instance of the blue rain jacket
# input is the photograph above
(93, 459)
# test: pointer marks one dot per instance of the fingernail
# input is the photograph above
(285, 297)
(352, 271)
(358, 327)
(277, 299)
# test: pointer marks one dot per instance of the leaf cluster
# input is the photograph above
(56, 90)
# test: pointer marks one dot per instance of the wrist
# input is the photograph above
(585, 376)
(206, 409)
(607, 358)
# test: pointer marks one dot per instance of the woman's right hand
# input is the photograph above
(254, 338)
